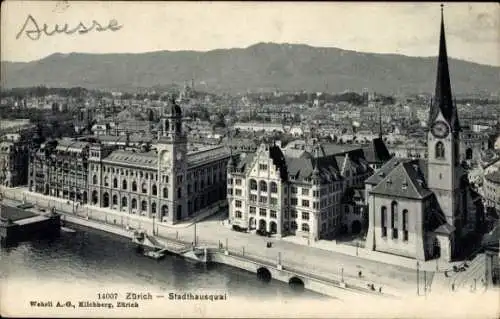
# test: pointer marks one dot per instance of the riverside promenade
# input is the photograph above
(359, 271)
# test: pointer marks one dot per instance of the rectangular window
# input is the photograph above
(263, 199)
(262, 212)
(294, 214)
(238, 192)
(253, 198)
(274, 201)
(305, 216)
(263, 167)
(253, 210)
(273, 214)
(293, 201)
(294, 190)
(237, 203)
(305, 203)
(238, 181)
(305, 191)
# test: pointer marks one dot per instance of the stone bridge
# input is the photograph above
(298, 279)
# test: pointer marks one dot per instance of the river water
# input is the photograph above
(92, 256)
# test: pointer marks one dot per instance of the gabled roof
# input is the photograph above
(406, 179)
(376, 151)
(383, 171)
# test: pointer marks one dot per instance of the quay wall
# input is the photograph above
(239, 262)
(247, 262)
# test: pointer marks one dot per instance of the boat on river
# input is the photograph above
(155, 254)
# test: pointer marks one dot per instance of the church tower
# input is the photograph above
(172, 164)
(443, 140)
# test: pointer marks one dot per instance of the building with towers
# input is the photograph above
(299, 190)
(173, 181)
(425, 209)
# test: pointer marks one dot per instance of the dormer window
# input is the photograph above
(389, 181)
(404, 185)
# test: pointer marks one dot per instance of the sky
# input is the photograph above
(473, 29)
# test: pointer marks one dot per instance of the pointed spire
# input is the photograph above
(443, 101)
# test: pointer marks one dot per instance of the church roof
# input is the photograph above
(376, 151)
(382, 172)
(407, 179)
(443, 102)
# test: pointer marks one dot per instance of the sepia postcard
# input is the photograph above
(249, 159)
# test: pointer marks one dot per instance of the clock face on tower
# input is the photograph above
(440, 129)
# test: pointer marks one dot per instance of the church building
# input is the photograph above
(424, 209)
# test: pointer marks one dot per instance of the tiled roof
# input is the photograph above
(71, 145)
(145, 159)
(406, 179)
(382, 172)
(207, 155)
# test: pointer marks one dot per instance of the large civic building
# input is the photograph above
(171, 182)
(297, 190)
(425, 209)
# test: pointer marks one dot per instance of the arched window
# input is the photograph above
(106, 181)
(165, 192)
(274, 187)
(253, 184)
(124, 201)
(134, 186)
(293, 225)
(153, 208)
(439, 150)
(164, 210)
(305, 227)
(263, 186)
(115, 200)
(394, 219)
(154, 190)
(124, 184)
(144, 206)
(394, 214)
(238, 214)
(179, 192)
(115, 183)
(144, 188)
(383, 220)
(94, 179)
(134, 203)
(405, 224)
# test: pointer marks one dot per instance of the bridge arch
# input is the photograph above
(263, 274)
(296, 283)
